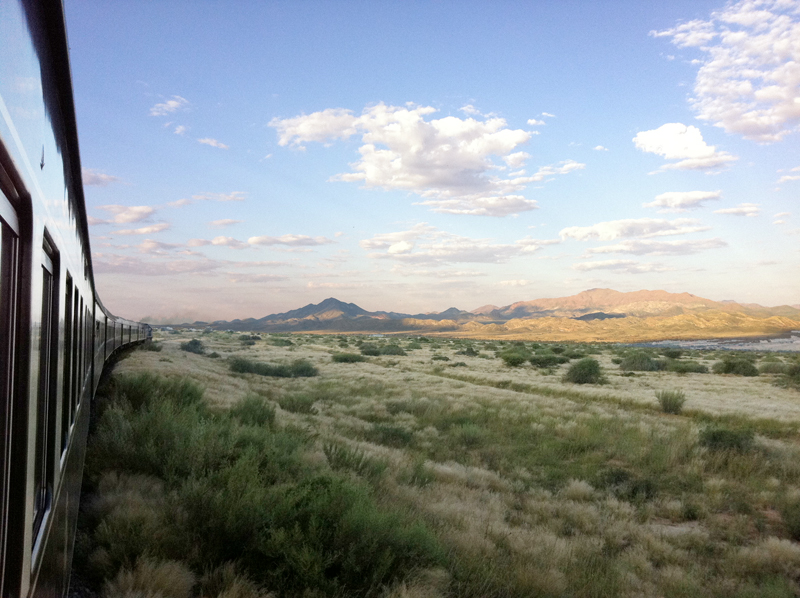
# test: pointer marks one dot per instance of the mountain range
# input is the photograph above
(593, 315)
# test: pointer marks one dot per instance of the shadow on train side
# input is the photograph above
(55, 334)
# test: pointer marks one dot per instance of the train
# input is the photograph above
(56, 336)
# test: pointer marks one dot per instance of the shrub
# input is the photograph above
(641, 362)
(244, 337)
(194, 346)
(469, 352)
(392, 350)
(248, 343)
(253, 410)
(574, 354)
(672, 353)
(773, 367)
(347, 358)
(738, 366)
(149, 578)
(440, 358)
(281, 342)
(671, 401)
(298, 369)
(585, 371)
(458, 364)
(719, 438)
(686, 367)
(557, 350)
(414, 345)
(370, 349)
(342, 457)
(150, 346)
(213, 355)
(547, 360)
(513, 359)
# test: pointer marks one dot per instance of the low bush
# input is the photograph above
(574, 354)
(342, 457)
(585, 371)
(720, 438)
(469, 352)
(641, 362)
(414, 345)
(737, 366)
(390, 435)
(194, 346)
(213, 355)
(686, 367)
(671, 401)
(281, 342)
(513, 359)
(248, 343)
(347, 358)
(297, 369)
(370, 349)
(672, 353)
(440, 358)
(547, 360)
(773, 367)
(151, 346)
(392, 350)
(253, 410)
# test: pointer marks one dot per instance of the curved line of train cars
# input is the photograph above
(55, 333)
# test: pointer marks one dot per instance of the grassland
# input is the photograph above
(509, 480)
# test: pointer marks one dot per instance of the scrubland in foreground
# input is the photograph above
(441, 472)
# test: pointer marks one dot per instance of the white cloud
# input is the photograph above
(743, 209)
(180, 130)
(600, 148)
(750, 73)
(789, 177)
(290, 240)
(197, 242)
(535, 123)
(145, 230)
(229, 242)
(213, 143)
(156, 247)
(110, 264)
(223, 223)
(128, 214)
(782, 215)
(425, 244)
(626, 266)
(681, 201)
(676, 141)
(470, 109)
(646, 247)
(95, 221)
(172, 105)
(232, 196)
(641, 227)
(514, 283)
(95, 178)
(548, 114)
(452, 163)
(179, 203)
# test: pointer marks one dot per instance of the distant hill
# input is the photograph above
(596, 314)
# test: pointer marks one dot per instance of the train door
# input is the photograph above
(9, 291)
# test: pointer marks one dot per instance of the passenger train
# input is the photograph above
(55, 334)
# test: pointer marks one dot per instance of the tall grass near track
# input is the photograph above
(176, 482)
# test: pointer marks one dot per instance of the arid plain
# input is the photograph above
(532, 485)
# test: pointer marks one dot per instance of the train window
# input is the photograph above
(9, 279)
(45, 405)
(66, 399)
(76, 335)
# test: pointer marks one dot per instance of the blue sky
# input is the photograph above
(246, 158)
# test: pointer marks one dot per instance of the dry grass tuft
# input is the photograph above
(167, 579)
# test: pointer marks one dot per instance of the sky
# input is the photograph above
(245, 158)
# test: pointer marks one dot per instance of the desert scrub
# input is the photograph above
(194, 346)
(513, 359)
(180, 491)
(347, 358)
(641, 362)
(686, 367)
(370, 349)
(671, 401)
(585, 371)
(299, 368)
(723, 438)
(547, 360)
(151, 346)
(738, 366)
(392, 350)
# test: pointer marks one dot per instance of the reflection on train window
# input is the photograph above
(66, 399)
(45, 407)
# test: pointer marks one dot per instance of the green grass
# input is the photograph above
(671, 401)
(299, 368)
(347, 358)
(585, 371)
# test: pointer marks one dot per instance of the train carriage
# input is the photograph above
(55, 333)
